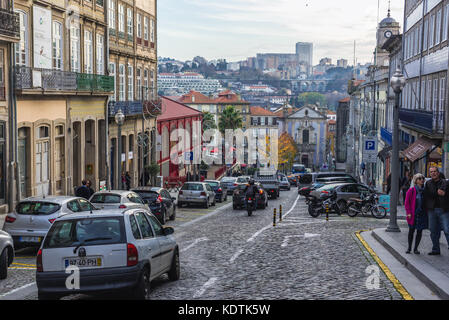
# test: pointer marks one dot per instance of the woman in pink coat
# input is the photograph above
(416, 215)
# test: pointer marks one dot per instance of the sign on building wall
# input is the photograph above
(370, 150)
(42, 37)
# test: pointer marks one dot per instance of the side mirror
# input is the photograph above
(168, 231)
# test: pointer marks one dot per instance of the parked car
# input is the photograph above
(221, 191)
(293, 179)
(6, 253)
(283, 183)
(308, 179)
(243, 179)
(230, 183)
(196, 193)
(29, 222)
(345, 191)
(238, 198)
(115, 250)
(117, 199)
(160, 202)
(320, 182)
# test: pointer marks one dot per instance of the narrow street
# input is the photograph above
(227, 255)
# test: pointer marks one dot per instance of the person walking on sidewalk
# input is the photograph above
(416, 216)
(436, 200)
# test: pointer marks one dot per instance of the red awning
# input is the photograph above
(418, 149)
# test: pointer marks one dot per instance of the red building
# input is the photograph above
(174, 116)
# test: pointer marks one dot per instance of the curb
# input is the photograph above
(398, 286)
(432, 278)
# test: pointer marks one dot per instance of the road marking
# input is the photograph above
(311, 235)
(23, 288)
(22, 268)
(194, 244)
(210, 214)
(203, 289)
(235, 256)
(23, 264)
(286, 239)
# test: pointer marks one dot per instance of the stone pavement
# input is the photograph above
(433, 271)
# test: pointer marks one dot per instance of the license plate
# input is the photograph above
(84, 262)
(250, 201)
(30, 239)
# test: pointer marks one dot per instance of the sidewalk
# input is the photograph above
(432, 271)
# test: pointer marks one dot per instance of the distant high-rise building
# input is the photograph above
(304, 51)
(342, 63)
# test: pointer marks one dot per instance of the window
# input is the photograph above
(445, 22)
(134, 227)
(121, 18)
(438, 28)
(432, 31)
(426, 30)
(2, 160)
(435, 95)
(152, 31)
(75, 48)
(423, 94)
(139, 83)
(100, 54)
(156, 225)
(145, 84)
(21, 58)
(144, 225)
(129, 15)
(111, 12)
(86, 205)
(442, 93)
(145, 29)
(130, 83)
(139, 25)
(88, 52)
(152, 86)
(112, 73)
(121, 83)
(2, 81)
(429, 95)
(305, 136)
(57, 46)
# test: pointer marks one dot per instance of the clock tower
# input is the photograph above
(387, 28)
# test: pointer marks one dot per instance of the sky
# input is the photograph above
(237, 29)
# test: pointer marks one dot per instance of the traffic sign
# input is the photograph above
(370, 150)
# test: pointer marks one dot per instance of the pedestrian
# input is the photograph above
(363, 167)
(89, 188)
(127, 181)
(145, 177)
(416, 215)
(436, 199)
(83, 191)
(405, 184)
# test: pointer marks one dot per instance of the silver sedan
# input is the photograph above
(6, 253)
(117, 199)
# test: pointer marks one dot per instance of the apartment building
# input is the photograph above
(133, 64)
(61, 91)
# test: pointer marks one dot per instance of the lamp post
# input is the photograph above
(397, 83)
(119, 119)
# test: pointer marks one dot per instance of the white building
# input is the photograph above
(183, 83)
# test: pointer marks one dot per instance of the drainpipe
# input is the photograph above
(14, 177)
(106, 115)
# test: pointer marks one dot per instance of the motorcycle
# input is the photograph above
(327, 201)
(365, 205)
(251, 204)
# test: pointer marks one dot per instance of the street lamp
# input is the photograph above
(119, 119)
(397, 83)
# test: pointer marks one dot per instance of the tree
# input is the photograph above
(230, 119)
(287, 151)
(208, 121)
(311, 98)
(153, 171)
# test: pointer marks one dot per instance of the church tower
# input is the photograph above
(387, 28)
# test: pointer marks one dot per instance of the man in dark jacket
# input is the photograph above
(83, 191)
(436, 203)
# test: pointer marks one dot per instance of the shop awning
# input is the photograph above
(418, 149)
(385, 153)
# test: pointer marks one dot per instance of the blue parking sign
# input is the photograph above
(370, 145)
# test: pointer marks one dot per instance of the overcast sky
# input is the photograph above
(237, 29)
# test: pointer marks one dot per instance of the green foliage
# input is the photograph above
(230, 119)
(152, 169)
(311, 98)
(208, 121)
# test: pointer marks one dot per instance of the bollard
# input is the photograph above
(280, 213)
(274, 217)
(327, 212)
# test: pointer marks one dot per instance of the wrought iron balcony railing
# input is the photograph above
(57, 80)
(430, 122)
(307, 148)
(152, 108)
(129, 108)
(9, 23)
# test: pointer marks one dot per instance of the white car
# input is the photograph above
(115, 250)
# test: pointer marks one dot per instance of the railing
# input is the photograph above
(152, 107)
(430, 122)
(307, 148)
(57, 80)
(9, 23)
(128, 108)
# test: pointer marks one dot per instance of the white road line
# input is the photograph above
(235, 256)
(293, 207)
(26, 288)
(285, 242)
(203, 289)
(194, 244)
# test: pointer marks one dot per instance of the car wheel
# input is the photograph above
(163, 218)
(4, 264)
(173, 216)
(206, 205)
(213, 203)
(174, 272)
(142, 291)
(47, 296)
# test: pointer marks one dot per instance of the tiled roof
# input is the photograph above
(194, 97)
(259, 111)
(172, 109)
(229, 97)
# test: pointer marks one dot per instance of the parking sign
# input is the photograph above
(370, 150)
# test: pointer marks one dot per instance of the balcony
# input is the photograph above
(386, 136)
(429, 122)
(27, 78)
(307, 148)
(152, 108)
(129, 108)
(9, 24)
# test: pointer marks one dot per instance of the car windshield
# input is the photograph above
(305, 179)
(37, 208)
(192, 187)
(328, 187)
(213, 184)
(228, 179)
(147, 195)
(106, 198)
(86, 232)
(242, 180)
